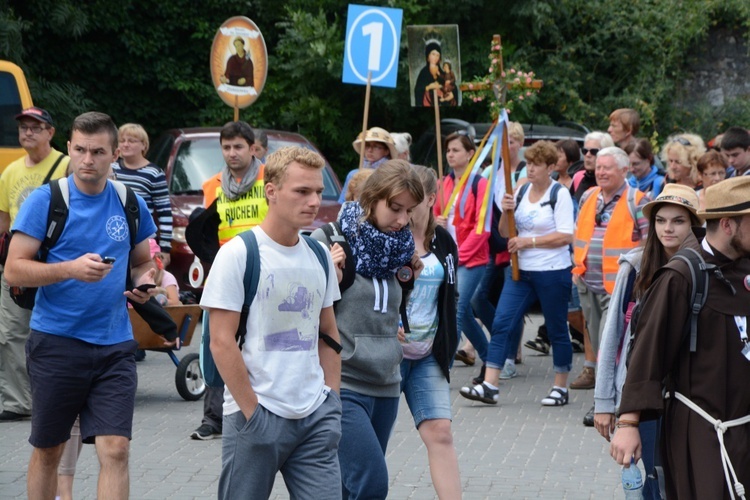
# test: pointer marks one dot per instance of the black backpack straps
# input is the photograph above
(57, 215)
(129, 202)
(54, 167)
(333, 232)
(521, 191)
(699, 291)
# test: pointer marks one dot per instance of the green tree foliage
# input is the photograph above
(147, 61)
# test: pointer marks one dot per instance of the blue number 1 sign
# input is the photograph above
(373, 36)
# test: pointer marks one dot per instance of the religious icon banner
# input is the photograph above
(239, 62)
(434, 63)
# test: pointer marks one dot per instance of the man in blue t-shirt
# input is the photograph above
(81, 352)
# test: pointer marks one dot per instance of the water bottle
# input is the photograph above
(632, 482)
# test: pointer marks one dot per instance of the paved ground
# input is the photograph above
(517, 449)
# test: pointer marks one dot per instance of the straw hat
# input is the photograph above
(377, 134)
(676, 194)
(728, 198)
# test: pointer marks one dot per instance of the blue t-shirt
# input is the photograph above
(93, 312)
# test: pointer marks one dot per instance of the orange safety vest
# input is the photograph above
(618, 237)
(238, 215)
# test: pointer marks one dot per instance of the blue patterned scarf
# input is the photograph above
(378, 254)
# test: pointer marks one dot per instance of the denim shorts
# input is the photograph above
(71, 377)
(426, 390)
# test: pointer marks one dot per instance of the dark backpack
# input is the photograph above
(250, 279)
(57, 216)
(333, 233)
(5, 237)
(699, 271)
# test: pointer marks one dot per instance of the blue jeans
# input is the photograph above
(366, 426)
(426, 390)
(484, 306)
(552, 290)
(647, 429)
(469, 279)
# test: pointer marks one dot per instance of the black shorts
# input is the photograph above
(70, 377)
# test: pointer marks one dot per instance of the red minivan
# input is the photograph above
(189, 157)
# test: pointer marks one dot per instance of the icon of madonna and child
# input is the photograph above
(436, 71)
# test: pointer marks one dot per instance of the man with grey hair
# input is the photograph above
(610, 222)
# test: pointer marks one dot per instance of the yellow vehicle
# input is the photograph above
(14, 98)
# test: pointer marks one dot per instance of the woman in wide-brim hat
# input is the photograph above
(672, 218)
(379, 148)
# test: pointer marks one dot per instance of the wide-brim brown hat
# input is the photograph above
(676, 194)
(728, 198)
(377, 134)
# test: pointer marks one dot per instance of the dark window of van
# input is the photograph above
(10, 106)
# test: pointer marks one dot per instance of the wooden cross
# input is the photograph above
(500, 86)
(498, 81)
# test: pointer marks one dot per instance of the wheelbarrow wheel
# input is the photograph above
(189, 379)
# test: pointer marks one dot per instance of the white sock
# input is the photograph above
(488, 385)
(561, 389)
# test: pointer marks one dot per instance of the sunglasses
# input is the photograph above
(593, 151)
(681, 140)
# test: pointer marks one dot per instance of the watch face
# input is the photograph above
(404, 274)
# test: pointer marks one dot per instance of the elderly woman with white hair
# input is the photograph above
(403, 143)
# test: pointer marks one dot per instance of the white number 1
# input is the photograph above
(375, 32)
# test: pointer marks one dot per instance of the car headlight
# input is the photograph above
(178, 234)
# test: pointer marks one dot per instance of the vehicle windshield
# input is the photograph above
(199, 159)
(10, 106)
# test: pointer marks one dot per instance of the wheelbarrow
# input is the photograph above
(188, 377)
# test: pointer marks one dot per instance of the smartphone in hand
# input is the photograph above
(145, 287)
(108, 260)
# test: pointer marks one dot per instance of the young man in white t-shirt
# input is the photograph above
(282, 411)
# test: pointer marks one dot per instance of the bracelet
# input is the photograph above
(533, 241)
(626, 423)
(620, 425)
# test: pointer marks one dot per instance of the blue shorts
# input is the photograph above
(70, 377)
(426, 389)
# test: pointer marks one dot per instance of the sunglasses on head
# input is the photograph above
(593, 151)
(681, 140)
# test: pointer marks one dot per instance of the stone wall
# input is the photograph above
(719, 70)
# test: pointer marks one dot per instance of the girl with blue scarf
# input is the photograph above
(377, 232)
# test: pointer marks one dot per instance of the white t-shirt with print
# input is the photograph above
(281, 346)
(537, 219)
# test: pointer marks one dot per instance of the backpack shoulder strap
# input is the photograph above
(319, 252)
(552, 196)
(57, 215)
(252, 267)
(632, 208)
(699, 290)
(132, 209)
(333, 232)
(475, 185)
(522, 191)
(54, 167)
